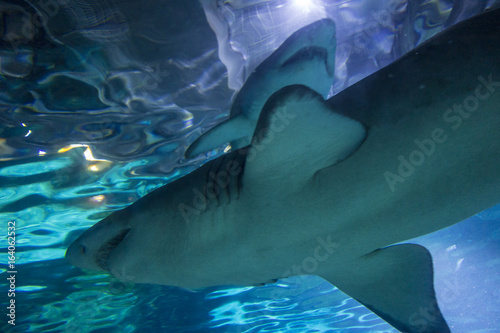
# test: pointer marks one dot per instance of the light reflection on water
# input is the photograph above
(96, 110)
(274, 308)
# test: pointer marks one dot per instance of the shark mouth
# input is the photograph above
(102, 255)
(310, 53)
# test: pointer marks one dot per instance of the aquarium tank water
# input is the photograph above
(99, 100)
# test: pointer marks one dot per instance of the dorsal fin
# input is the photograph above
(307, 57)
(298, 134)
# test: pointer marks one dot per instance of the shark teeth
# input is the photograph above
(102, 255)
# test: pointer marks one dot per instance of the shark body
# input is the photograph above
(327, 187)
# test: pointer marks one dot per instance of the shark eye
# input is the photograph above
(83, 249)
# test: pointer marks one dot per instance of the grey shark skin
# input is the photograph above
(327, 187)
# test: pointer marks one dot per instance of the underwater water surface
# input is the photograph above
(99, 101)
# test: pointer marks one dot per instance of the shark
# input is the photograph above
(332, 188)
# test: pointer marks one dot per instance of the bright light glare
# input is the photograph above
(94, 168)
(89, 157)
(88, 153)
(98, 198)
(304, 5)
(65, 149)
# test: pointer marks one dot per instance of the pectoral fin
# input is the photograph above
(236, 132)
(396, 283)
(298, 134)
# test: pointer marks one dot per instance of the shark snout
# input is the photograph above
(92, 249)
(75, 250)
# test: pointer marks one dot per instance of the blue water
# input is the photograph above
(98, 102)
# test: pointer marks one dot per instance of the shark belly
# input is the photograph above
(191, 254)
(418, 174)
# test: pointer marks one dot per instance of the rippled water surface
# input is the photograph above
(99, 101)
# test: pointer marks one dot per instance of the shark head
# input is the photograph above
(109, 246)
(93, 248)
